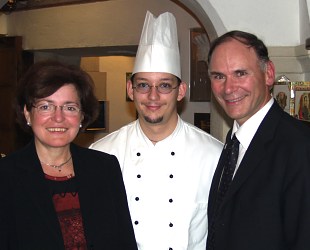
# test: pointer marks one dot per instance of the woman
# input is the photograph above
(54, 194)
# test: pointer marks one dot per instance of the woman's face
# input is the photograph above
(55, 120)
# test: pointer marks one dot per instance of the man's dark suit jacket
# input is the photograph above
(267, 206)
(28, 220)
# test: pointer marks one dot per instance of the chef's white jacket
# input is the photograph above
(167, 184)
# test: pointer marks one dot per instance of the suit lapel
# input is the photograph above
(216, 179)
(256, 150)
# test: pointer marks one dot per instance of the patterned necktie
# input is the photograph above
(230, 162)
(231, 152)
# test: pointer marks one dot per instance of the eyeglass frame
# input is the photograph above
(53, 110)
(157, 88)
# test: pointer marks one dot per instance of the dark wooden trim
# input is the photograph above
(18, 5)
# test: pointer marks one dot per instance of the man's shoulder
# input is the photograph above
(199, 134)
(294, 128)
(117, 137)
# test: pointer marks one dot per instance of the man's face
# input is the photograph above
(155, 108)
(238, 81)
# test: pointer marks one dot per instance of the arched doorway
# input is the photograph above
(211, 22)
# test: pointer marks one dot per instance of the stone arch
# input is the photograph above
(206, 15)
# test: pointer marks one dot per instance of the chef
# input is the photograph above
(167, 163)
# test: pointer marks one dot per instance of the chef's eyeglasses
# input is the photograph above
(46, 109)
(163, 88)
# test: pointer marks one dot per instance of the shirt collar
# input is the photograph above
(246, 132)
(140, 133)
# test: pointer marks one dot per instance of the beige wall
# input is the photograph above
(75, 27)
(120, 111)
(109, 75)
(119, 22)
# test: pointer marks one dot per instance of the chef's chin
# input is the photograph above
(153, 120)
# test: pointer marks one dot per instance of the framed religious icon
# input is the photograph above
(202, 121)
(302, 101)
(200, 86)
(282, 93)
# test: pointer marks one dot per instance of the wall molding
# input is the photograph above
(292, 61)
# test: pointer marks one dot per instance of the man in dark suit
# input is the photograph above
(267, 204)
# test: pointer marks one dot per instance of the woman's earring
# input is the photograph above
(29, 124)
(80, 125)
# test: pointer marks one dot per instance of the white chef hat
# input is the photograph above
(158, 49)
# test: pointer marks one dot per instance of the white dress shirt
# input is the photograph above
(246, 132)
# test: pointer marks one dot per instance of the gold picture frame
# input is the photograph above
(282, 92)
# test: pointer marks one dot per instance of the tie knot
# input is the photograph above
(233, 141)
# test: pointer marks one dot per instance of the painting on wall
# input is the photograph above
(202, 121)
(294, 98)
(200, 86)
(282, 94)
(100, 124)
(302, 101)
